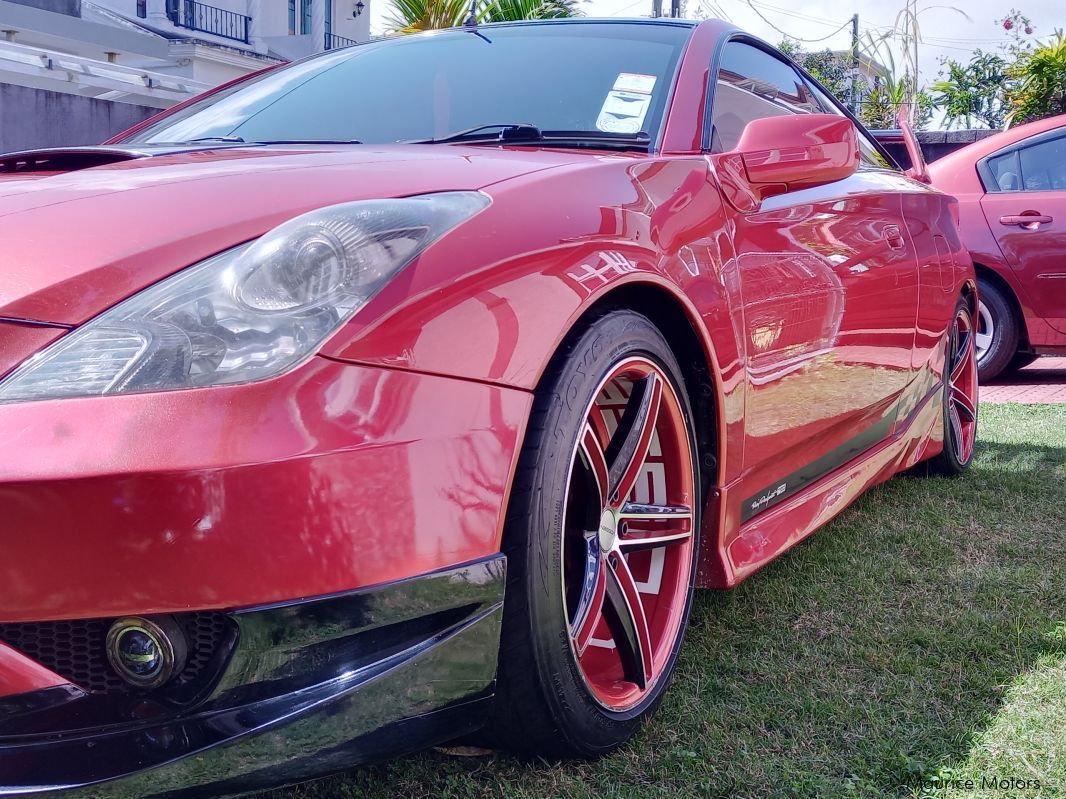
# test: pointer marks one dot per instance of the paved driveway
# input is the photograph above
(1044, 381)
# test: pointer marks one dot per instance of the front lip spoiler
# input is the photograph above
(433, 689)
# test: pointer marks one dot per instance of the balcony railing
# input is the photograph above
(209, 19)
(334, 42)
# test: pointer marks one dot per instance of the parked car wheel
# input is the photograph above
(998, 331)
(601, 540)
(960, 395)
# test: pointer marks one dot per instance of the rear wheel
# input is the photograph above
(960, 395)
(998, 331)
(601, 541)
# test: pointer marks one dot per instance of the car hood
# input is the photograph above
(87, 228)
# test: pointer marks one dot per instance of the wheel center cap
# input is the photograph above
(608, 531)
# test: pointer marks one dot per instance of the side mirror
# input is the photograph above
(796, 151)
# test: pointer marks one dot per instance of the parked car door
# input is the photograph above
(829, 289)
(1025, 206)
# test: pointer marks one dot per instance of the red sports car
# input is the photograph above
(411, 389)
(1012, 207)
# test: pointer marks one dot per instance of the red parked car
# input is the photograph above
(1012, 208)
(408, 390)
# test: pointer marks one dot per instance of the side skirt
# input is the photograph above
(774, 531)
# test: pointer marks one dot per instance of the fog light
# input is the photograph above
(146, 653)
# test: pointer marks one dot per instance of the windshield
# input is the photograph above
(604, 79)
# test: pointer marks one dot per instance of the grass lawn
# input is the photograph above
(922, 635)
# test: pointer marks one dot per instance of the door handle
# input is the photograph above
(1030, 220)
(893, 237)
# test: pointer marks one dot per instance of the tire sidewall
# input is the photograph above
(1005, 334)
(590, 727)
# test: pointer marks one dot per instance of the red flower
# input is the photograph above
(1008, 24)
(1028, 29)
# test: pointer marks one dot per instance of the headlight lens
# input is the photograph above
(249, 313)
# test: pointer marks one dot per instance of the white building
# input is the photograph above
(204, 43)
(77, 71)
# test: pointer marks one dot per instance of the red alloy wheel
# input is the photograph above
(962, 387)
(628, 543)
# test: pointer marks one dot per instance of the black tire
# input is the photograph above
(954, 460)
(1006, 334)
(543, 706)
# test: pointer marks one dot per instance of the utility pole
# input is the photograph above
(914, 97)
(855, 109)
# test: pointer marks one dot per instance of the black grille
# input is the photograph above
(76, 650)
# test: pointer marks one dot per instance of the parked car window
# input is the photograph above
(595, 77)
(1005, 173)
(752, 84)
(1043, 165)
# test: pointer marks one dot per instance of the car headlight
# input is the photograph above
(249, 313)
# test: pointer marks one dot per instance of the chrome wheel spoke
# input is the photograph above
(642, 511)
(956, 430)
(962, 355)
(629, 448)
(963, 405)
(629, 625)
(594, 460)
(634, 540)
(590, 604)
(984, 341)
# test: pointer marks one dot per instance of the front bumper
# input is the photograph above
(311, 687)
(331, 477)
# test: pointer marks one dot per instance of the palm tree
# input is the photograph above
(411, 16)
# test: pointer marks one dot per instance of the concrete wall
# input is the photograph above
(936, 144)
(32, 118)
(71, 7)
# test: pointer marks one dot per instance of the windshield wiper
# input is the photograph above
(239, 140)
(507, 131)
(205, 139)
(521, 133)
(307, 141)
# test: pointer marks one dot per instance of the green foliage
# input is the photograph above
(881, 106)
(1038, 86)
(514, 10)
(832, 70)
(411, 16)
(977, 90)
(973, 90)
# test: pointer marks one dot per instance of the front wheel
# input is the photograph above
(601, 540)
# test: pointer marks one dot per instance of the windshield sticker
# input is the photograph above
(627, 103)
(632, 82)
(623, 112)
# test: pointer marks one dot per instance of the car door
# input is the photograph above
(1025, 206)
(828, 291)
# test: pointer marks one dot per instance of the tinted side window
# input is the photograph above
(1044, 165)
(1003, 169)
(753, 84)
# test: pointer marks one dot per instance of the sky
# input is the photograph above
(946, 32)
